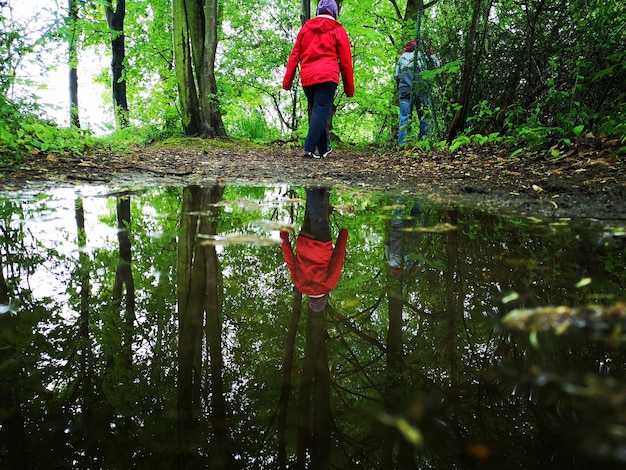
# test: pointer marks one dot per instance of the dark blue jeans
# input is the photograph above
(421, 104)
(316, 224)
(320, 101)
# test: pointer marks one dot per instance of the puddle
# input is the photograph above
(160, 328)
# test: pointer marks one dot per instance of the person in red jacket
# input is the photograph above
(322, 49)
(316, 266)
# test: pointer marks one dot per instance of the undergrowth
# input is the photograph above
(23, 131)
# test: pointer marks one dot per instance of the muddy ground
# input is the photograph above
(586, 180)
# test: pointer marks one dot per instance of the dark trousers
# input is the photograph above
(316, 223)
(320, 101)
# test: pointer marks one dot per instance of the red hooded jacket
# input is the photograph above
(323, 50)
(315, 267)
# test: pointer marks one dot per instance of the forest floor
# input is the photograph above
(586, 180)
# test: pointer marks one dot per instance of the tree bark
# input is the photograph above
(306, 11)
(73, 62)
(467, 76)
(196, 24)
(115, 21)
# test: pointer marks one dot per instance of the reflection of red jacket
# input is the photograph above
(316, 266)
(323, 50)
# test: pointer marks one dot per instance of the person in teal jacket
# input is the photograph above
(419, 97)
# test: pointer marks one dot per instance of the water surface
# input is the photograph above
(160, 328)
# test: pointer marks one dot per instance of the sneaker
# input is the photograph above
(310, 155)
(327, 152)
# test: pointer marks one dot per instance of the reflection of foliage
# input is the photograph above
(415, 361)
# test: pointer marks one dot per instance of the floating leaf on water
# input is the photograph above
(238, 239)
(617, 430)
(292, 202)
(6, 309)
(347, 208)
(610, 321)
(533, 339)
(270, 225)
(394, 207)
(562, 328)
(245, 204)
(561, 223)
(583, 282)
(536, 319)
(439, 228)
(510, 297)
(410, 432)
(573, 389)
(479, 451)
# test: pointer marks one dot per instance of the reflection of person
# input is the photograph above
(413, 93)
(322, 49)
(316, 266)
(400, 246)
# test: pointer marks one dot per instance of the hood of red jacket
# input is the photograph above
(321, 24)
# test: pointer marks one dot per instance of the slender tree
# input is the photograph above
(73, 61)
(306, 10)
(115, 21)
(468, 75)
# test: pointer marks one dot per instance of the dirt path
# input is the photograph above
(587, 181)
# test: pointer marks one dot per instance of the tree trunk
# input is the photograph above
(73, 62)
(196, 25)
(306, 11)
(187, 96)
(115, 21)
(467, 76)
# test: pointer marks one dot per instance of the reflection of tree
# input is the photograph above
(88, 431)
(405, 357)
(400, 248)
(124, 281)
(314, 419)
(20, 374)
(84, 275)
(199, 315)
(285, 390)
(12, 431)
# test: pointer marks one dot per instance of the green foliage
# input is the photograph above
(82, 374)
(254, 127)
(474, 140)
(539, 75)
(23, 132)
(133, 135)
